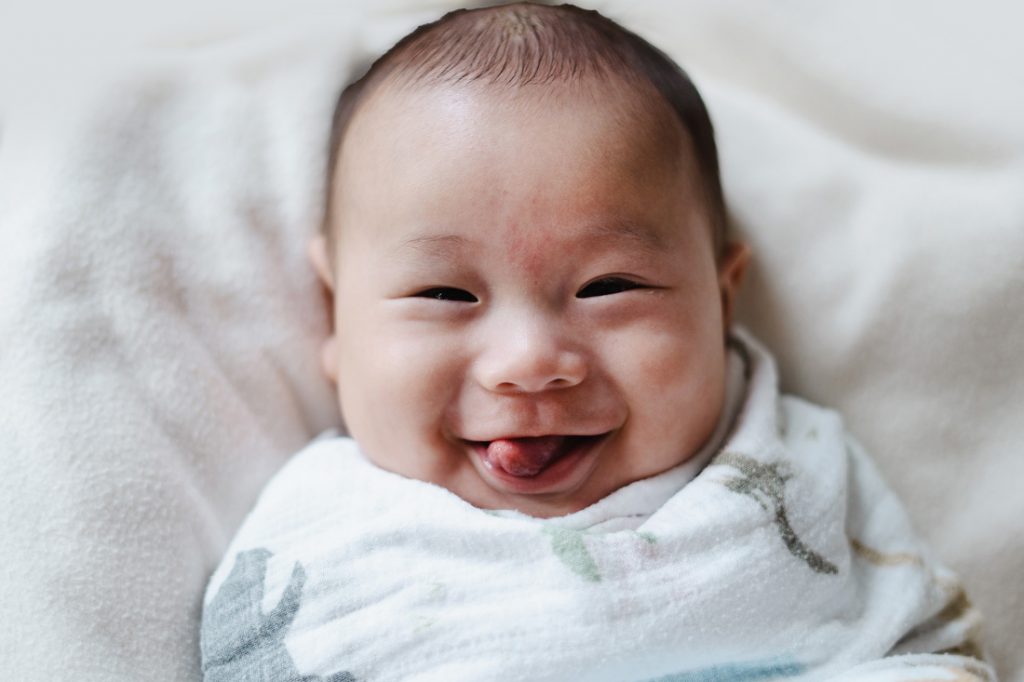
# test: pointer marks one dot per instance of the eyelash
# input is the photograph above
(606, 287)
(447, 294)
(602, 287)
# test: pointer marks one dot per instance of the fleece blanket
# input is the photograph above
(786, 557)
(161, 170)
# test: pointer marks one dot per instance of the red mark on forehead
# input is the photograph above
(529, 253)
(537, 246)
(523, 228)
(537, 229)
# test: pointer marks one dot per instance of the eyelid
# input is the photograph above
(620, 284)
(446, 294)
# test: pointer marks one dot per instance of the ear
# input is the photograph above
(317, 252)
(732, 265)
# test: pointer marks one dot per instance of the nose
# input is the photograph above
(529, 357)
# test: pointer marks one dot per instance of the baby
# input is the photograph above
(566, 463)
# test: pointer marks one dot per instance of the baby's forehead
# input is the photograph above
(627, 116)
(531, 58)
(548, 164)
(593, 151)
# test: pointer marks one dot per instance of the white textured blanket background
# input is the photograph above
(159, 326)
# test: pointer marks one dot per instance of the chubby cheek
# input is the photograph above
(393, 387)
(675, 382)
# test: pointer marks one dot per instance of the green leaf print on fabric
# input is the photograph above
(239, 641)
(649, 538)
(766, 484)
(570, 549)
(738, 672)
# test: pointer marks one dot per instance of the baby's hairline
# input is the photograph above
(647, 110)
(612, 58)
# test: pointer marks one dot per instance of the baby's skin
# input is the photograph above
(531, 312)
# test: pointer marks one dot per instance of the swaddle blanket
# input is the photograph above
(785, 557)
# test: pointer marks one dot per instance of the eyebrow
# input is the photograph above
(434, 244)
(440, 245)
(646, 238)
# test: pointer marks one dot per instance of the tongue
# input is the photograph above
(524, 456)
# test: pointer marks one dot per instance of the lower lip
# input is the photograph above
(565, 473)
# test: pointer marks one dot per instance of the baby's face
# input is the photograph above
(528, 307)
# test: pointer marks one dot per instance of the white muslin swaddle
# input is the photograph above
(778, 554)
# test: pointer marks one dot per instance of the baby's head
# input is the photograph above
(525, 244)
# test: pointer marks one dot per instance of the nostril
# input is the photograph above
(555, 383)
(530, 369)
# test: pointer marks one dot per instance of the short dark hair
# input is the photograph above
(525, 43)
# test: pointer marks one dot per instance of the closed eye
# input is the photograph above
(607, 286)
(447, 294)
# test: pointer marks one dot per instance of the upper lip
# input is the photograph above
(544, 434)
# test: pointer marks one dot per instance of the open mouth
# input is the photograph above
(527, 457)
(535, 464)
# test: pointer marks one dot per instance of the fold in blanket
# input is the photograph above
(786, 557)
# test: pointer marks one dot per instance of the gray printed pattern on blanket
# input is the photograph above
(239, 641)
(766, 484)
(740, 672)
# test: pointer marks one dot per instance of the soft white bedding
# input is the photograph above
(158, 324)
(638, 587)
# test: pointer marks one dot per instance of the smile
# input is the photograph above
(536, 464)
